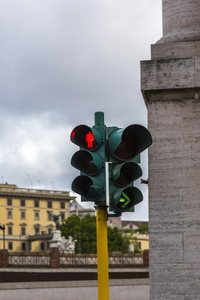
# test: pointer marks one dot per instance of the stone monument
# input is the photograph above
(64, 245)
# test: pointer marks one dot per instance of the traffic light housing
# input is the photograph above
(123, 151)
(120, 148)
(90, 160)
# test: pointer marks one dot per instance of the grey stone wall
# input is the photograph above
(171, 88)
(174, 191)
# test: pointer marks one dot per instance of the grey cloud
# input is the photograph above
(60, 62)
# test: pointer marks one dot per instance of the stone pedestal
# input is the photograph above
(63, 245)
(56, 238)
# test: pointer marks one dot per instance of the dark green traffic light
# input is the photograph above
(125, 146)
(121, 148)
(90, 160)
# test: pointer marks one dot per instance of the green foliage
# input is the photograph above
(136, 244)
(84, 233)
(143, 229)
(71, 226)
(88, 234)
(116, 241)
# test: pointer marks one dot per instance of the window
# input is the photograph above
(9, 214)
(10, 245)
(49, 204)
(42, 246)
(23, 230)
(50, 230)
(23, 202)
(62, 217)
(9, 202)
(37, 215)
(23, 214)
(10, 231)
(50, 213)
(48, 245)
(23, 246)
(36, 203)
(62, 205)
(37, 230)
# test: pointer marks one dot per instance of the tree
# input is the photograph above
(71, 227)
(116, 241)
(136, 244)
(88, 234)
(84, 233)
(143, 229)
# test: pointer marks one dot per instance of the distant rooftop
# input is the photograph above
(13, 191)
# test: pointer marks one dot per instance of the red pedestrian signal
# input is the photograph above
(90, 139)
(90, 161)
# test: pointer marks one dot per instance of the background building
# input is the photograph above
(79, 210)
(138, 234)
(28, 216)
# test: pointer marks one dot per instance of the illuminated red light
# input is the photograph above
(90, 139)
(72, 134)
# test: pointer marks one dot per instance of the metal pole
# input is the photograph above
(4, 254)
(102, 254)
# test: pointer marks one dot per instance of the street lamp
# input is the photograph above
(2, 227)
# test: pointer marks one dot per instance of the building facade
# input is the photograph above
(137, 232)
(28, 216)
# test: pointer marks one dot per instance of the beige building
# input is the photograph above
(139, 239)
(28, 216)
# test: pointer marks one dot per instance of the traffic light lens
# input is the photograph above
(125, 201)
(123, 174)
(90, 188)
(89, 142)
(89, 167)
(127, 148)
(87, 162)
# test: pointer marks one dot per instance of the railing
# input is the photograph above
(115, 260)
(71, 260)
(20, 259)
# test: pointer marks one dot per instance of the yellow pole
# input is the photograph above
(102, 255)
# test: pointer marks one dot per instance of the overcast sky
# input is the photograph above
(61, 61)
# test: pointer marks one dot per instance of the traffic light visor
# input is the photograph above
(87, 162)
(90, 188)
(125, 144)
(123, 174)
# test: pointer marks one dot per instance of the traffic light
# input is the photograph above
(90, 160)
(124, 148)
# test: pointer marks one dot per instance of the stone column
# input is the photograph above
(170, 84)
(54, 258)
(4, 258)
